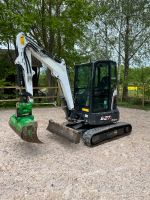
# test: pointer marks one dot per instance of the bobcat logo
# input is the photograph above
(106, 118)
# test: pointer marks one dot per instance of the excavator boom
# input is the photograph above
(23, 122)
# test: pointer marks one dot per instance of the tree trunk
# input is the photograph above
(143, 96)
(126, 60)
(119, 59)
(106, 40)
(125, 86)
(44, 31)
(119, 49)
(51, 83)
(50, 47)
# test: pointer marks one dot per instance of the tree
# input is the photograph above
(57, 25)
(122, 30)
(5, 66)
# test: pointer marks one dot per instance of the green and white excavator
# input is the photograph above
(91, 111)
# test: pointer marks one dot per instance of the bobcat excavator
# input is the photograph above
(91, 111)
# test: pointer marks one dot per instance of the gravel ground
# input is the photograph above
(59, 170)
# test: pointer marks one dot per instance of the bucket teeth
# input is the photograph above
(28, 133)
(64, 131)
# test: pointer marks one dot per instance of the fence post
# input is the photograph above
(143, 95)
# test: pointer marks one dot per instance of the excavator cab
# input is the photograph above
(94, 87)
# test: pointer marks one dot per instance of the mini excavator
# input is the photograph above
(91, 111)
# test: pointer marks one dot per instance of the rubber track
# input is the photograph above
(87, 135)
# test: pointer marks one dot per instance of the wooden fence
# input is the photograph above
(44, 90)
(141, 93)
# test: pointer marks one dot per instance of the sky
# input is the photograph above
(146, 62)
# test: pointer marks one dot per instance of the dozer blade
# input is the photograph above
(64, 131)
(27, 130)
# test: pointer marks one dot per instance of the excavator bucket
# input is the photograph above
(25, 127)
(64, 131)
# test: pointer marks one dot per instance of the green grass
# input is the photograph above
(7, 104)
(135, 106)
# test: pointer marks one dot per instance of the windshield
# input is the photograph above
(83, 76)
(101, 87)
(82, 86)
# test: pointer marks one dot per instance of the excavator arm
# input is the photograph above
(26, 48)
(23, 122)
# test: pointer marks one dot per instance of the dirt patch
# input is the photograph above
(60, 170)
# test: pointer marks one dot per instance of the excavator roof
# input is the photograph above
(96, 61)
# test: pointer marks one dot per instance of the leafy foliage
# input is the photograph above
(6, 68)
(58, 26)
(78, 30)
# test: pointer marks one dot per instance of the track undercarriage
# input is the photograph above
(26, 128)
(91, 111)
(91, 135)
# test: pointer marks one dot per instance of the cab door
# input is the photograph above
(101, 87)
(82, 87)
